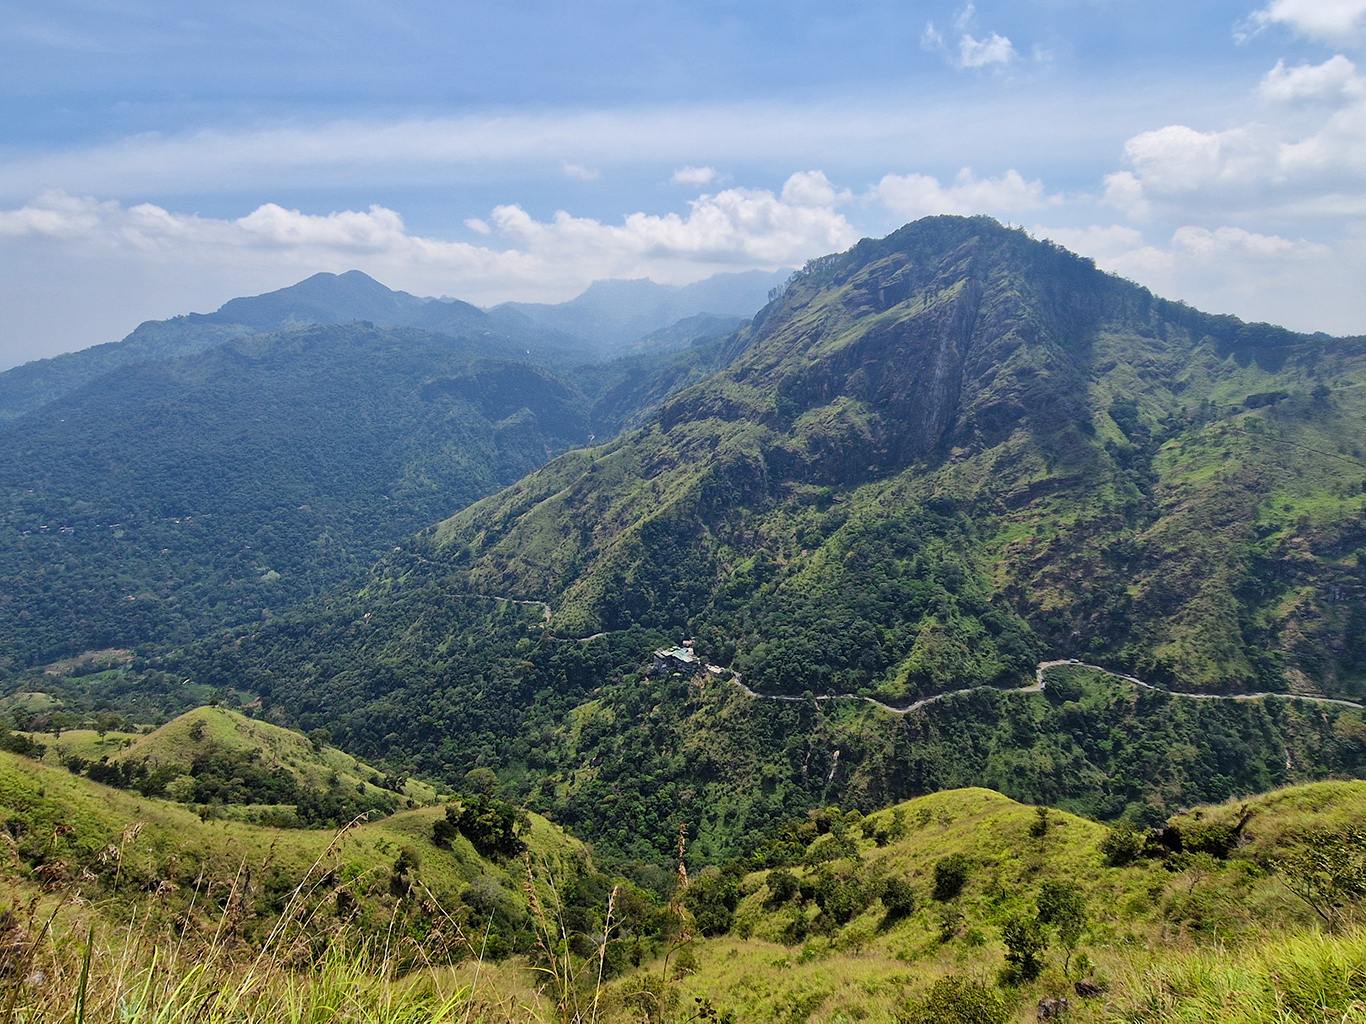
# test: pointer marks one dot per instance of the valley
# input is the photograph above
(329, 622)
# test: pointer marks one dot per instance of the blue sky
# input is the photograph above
(159, 157)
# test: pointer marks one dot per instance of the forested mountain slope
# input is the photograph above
(933, 462)
(948, 453)
(172, 497)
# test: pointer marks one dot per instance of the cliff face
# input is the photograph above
(941, 454)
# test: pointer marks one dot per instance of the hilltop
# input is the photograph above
(75, 836)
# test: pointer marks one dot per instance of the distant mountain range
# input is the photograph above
(597, 325)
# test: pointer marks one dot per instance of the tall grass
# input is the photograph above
(61, 961)
(1306, 978)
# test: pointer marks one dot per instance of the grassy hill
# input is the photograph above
(1166, 936)
(218, 732)
(74, 837)
(837, 917)
(234, 766)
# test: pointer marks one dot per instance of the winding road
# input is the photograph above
(1038, 687)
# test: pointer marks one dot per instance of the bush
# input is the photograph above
(493, 826)
(956, 1000)
(950, 875)
(898, 896)
(782, 886)
(1122, 844)
(1024, 941)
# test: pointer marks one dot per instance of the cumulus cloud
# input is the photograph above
(920, 195)
(978, 53)
(1335, 80)
(1325, 20)
(1256, 166)
(1228, 269)
(550, 260)
(694, 176)
(1227, 240)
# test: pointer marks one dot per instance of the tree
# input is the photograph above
(319, 738)
(1038, 828)
(1024, 941)
(782, 886)
(1062, 905)
(444, 830)
(1122, 844)
(950, 875)
(898, 896)
(495, 827)
(1328, 871)
(481, 781)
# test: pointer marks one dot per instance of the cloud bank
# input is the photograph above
(550, 260)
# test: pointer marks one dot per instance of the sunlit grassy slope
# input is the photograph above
(217, 731)
(1171, 939)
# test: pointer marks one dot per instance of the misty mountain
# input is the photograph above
(353, 296)
(612, 314)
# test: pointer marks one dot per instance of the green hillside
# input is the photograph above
(948, 453)
(858, 917)
(171, 498)
(933, 462)
(111, 847)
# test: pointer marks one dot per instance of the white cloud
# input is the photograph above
(1226, 241)
(1124, 191)
(972, 52)
(1096, 241)
(1334, 80)
(1177, 157)
(978, 53)
(813, 189)
(694, 176)
(1325, 20)
(579, 172)
(919, 195)
(1288, 166)
(1231, 269)
(733, 229)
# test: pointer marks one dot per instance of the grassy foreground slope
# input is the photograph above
(92, 845)
(1176, 934)
(839, 917)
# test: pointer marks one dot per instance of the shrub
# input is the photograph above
(1122, 844)
(950, 875)
(1062, 905)
(956, 1000)
(898, 896)
(1024, 941)
(782, 886)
